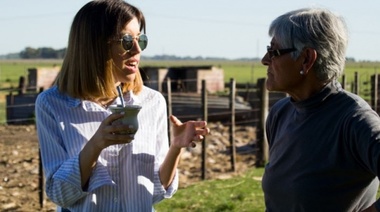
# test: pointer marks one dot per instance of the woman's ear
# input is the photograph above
(310, 56)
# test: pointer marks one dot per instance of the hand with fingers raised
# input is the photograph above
(188, 133)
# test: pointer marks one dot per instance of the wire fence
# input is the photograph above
(253, 99)
(19, 105)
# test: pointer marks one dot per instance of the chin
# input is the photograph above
(130, 77)
(269, 86)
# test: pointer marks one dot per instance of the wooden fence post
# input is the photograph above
(232, 127)
(344, 81)
(375, 92)
(263, 149)
(21, 85)
(41, 188)
(41, 179)
(170, 107)
(356, 84)
(205, 115)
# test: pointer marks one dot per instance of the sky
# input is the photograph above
(205, 28)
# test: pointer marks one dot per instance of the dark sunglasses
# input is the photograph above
(127, 42)
(278, 52)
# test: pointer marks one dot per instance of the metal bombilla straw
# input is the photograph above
(120, 95)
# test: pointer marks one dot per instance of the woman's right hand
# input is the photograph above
(108, 134)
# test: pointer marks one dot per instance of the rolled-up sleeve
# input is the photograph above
(63, 185)
(61, 166)
(162, 148)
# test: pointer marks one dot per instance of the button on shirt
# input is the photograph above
(126, 176)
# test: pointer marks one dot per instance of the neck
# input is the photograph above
(104, 102)
(306, 92)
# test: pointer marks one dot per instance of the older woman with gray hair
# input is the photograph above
(324, 142)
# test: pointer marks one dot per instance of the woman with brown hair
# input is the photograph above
(88, 164)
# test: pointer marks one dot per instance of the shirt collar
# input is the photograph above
(313, 102)
(75, 102)
(92, 106)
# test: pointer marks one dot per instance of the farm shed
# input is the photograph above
(41, 78)
(20, 106)
(154, 77)
(185, 78)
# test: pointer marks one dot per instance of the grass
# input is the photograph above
(11, 70)
(241, 193)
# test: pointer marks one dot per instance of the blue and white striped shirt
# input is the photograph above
(125, 180)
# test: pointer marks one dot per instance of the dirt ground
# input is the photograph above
(19, 164)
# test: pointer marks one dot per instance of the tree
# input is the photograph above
(29, 53)
(44, 53)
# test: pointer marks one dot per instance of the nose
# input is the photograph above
(135, 48)
(265, 60)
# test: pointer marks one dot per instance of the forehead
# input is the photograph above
(274, 42)
(131, 28)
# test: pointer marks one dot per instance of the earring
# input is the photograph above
(301, 72)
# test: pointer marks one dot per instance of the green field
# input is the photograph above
(241, 71)
(238, 194)
(241, 193)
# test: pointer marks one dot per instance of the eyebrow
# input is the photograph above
(272, 44)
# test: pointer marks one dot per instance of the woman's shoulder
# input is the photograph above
(54, 96)
(151, 93)
(48, 93)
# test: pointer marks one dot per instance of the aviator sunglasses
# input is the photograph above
(127, 42)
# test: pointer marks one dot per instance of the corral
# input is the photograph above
(185, 89)
(20, 154)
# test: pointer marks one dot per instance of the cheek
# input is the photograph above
(117, 61)
(117, 54)
(279, 79)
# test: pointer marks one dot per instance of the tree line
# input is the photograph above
(44, 52)
(50, 53)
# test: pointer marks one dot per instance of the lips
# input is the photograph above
(132, 65)
(268, 72)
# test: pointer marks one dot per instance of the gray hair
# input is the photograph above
(318, 29)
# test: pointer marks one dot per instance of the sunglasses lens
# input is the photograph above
(127, 42)
(143, 42)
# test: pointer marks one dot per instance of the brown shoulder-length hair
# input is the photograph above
(87, 69)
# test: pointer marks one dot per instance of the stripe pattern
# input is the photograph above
(125, 177)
